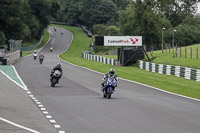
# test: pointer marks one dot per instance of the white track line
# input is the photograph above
(13, 80)
(19, 126)
(127, 79)
(25, 87)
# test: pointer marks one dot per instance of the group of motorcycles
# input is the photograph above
(109, 86)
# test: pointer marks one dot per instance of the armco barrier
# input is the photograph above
(100, 59)
(179, 71)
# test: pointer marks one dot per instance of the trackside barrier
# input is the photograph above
(12, 57)
(178, 71)
(100, 59)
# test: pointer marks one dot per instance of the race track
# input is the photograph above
(78, 106)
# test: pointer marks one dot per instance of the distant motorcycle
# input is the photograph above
(35, 56)
(54, 29)
(109, 87)
(62, 32)
(41, 59)
(55, 77)
(51, 49)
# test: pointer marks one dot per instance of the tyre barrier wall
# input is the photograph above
(179, 71)
(100, 59)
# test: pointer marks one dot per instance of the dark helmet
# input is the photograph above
(58, 65)
(112, 71)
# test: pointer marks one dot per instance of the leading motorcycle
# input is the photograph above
(55, 77)
(109, 87)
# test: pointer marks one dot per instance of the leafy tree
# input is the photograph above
(97, 11)
(2, 38)
(99, 29)
(112, 31)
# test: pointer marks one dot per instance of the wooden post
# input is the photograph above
(185, 52)
(197, 52)
(191, 52)
(176, 51)
(180, 53)
(166, 47)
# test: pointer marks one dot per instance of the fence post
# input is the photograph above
(185, 52)
(180, 53)
(197, 52)
(176, 51)
(191, 52)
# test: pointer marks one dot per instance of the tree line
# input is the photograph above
(25, 19)
(146, 18)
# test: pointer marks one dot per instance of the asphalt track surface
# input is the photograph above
(77, 104)
(16, 106)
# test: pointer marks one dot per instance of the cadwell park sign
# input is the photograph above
(122, 40)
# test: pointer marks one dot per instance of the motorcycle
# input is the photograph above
(41, 59)
(34, 56)
(55, 77)
(54, 29)
(62, 33)
(109, 87)
(51, 49)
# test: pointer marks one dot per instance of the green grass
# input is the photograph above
(169, 83)
(167, 58)
(26, 44)
(44, 41)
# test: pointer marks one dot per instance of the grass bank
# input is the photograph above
(181, 60)
(166, 82)
(44, 41)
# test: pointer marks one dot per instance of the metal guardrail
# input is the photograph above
(32, 46)
(179, 71)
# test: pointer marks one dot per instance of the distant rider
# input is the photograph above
(41, 56)
(111, 73)
(57, 67)
(35, 55)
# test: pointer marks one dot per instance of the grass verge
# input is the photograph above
(169, 83)
(181, 60)
(44, 41)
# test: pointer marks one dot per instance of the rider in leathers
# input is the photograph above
(57, 67)
(105, 78)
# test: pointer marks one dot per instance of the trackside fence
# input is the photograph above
(100, 59)
(179, 71)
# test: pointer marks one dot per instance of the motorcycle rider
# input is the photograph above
(57, 67)
(41, 56)
(107, 75)
(35, 55)
(51, 48)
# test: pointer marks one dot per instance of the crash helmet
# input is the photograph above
(112, 71)
(58, 65)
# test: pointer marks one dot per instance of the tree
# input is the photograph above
(97, 11)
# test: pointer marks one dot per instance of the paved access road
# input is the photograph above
(78, 106)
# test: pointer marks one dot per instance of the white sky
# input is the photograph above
(198, 11)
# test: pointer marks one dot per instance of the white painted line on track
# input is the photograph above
(45, 112)
(48, 116)
(31, 96)
(19, 126)
(52, 121)
(41, 105)
(127, 79)
(24, 86)
(61, 131)
(57, 126)
(35, 100)
(43, 109)
(38, 102)
(13, 81)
